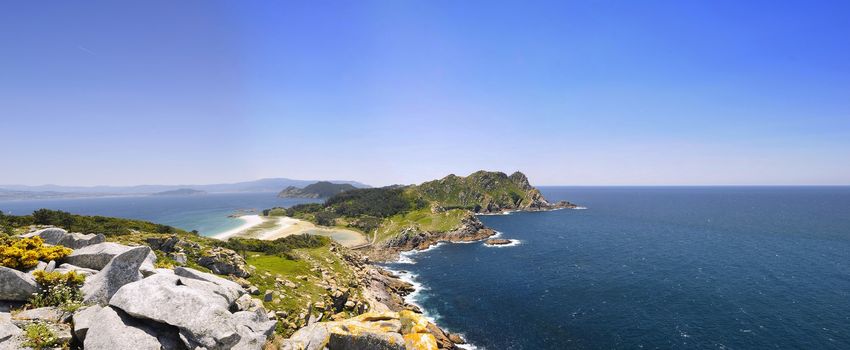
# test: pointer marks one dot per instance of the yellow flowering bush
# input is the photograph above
(25, 253)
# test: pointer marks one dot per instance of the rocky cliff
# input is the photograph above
(486, 192)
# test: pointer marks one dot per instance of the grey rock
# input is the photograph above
(312, 337)
(83, 319)
(58, 236)
(112, 329)
(247, 303)
(268, 297)
(122, 269)
(366, 340)
(232, 289)
(7, 329)
(179, 258)
(16, 285)
(253, 290)
(50, 266)
(98, 255)
(224, 261)
(254, 328)
(201, 316)
(65, 268)
(40, 266)
(46, 314)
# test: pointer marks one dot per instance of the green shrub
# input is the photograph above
(58, 289)
(39, 336)
(281, 246)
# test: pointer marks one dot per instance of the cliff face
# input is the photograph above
(486, 192)
(321, 189)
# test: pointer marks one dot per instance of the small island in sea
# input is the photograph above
(180, 192)
(321, 189)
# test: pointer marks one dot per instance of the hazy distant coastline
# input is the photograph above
(23, 192)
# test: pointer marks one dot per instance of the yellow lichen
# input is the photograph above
(412, 322)
(420, 341)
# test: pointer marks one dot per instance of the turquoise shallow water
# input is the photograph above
(653, 268)
(206, 213)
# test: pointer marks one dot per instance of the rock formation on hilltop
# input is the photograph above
(487, 192)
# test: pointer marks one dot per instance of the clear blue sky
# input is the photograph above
(571, 92)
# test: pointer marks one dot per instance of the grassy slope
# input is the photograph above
(423, 219)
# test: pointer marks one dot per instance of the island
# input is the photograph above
(180, 192)
(321, 189)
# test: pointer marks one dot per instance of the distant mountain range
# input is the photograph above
(58, 191)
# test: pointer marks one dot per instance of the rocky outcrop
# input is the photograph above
(65, 268)
(411, 238)
(83, 319)
(112, 329)
(16, 285)
(497, 241)
(121, 270)
(58, 236)
(202, 317)
(198, 308)
(228, 289)
(7, 330)
(224, 261)
(98, 255)
(403, 330)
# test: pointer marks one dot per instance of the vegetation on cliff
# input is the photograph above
(321, 189)
(434, 206)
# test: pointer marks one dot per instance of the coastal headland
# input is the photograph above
(302, 277)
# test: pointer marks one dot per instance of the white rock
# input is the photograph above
(58, 236)
(122, 269)
(83, 319)
(201, 316)
(98, 255)
(112, 329)
(233, 289)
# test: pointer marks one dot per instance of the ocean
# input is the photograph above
(206, 213)
(652, 268)
(641, 268)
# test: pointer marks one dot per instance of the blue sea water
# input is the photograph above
(653, 268)
(206, 213)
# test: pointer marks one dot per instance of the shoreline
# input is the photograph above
(250, 221)
(274, 227)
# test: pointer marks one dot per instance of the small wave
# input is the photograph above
(579, 208)
(407, 257)
(497, 235)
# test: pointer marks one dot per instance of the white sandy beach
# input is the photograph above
(250, 221)
(271, 228)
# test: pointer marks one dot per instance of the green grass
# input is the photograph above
(295, 300)
(423, 219)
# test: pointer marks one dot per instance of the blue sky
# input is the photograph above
(383, 92)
